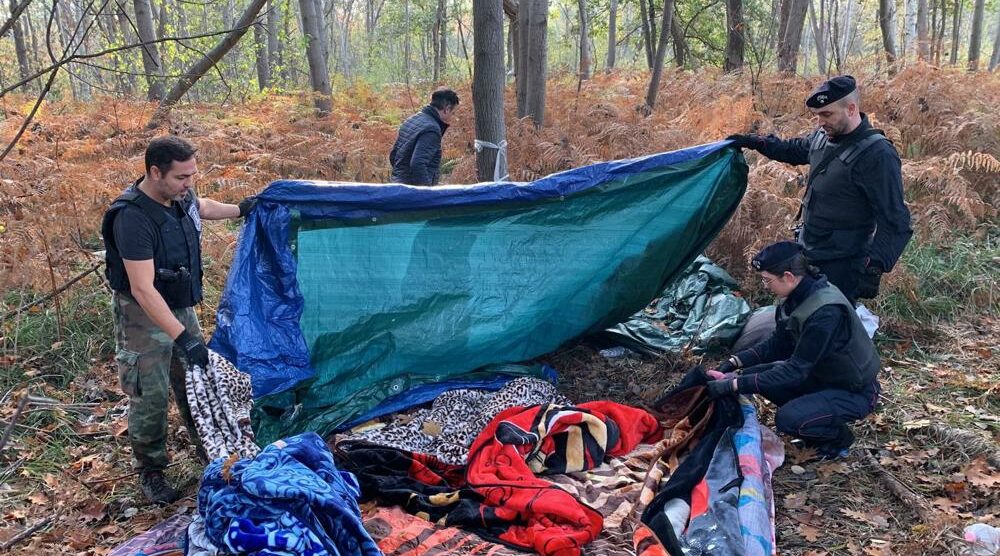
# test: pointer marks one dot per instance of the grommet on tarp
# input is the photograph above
(501, 156)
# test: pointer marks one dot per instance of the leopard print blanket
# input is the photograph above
(220, 398)
(455, 418)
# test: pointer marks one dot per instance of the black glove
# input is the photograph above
(870, 280)
(754, 142)
(247, 205)
(727, 366)
(719, 388)
(194, 349)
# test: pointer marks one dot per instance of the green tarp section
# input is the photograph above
(697, 313)
(419, 296)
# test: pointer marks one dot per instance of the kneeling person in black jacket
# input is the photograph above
(818, 366)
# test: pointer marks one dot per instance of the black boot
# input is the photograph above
(156, 488)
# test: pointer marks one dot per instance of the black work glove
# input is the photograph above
(870, 280)
(754, 142)
(194, 349)
(247, 205)
(727, 366)
(720, 388)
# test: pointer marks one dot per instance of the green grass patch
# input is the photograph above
(946, 281)
(53, 342)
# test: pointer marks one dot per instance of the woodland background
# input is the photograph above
(272, 89)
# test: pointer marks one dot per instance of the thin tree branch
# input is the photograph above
(9, 24)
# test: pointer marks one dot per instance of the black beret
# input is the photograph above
(775, 255)
(831, 91)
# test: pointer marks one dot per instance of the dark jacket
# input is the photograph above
(854, 208)
(823, 347)
(416, 155)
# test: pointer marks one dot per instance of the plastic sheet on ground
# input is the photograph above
(697, 312)
(342, 295)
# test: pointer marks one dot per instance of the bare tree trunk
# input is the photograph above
(523, 47)
(909, 27)
(150, 54)
(585, 59)
(995, 58)
(537, 62)
(487, 86)
(260, 50)
(939, 41)
(680, 43)
(647, 36)
(788, 48)
(198, 69)
(319, 75)
(406, 43)
(274, 45)
(887, 23)
(923, 41)
(818, 32)
(976, 37)
(956, 30)
(19, 45)
(784, 12)
(612, 35)
(440, 37)
(661, 52)
(735, 42)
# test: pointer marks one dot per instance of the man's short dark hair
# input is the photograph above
(163, 151)
(444, 98)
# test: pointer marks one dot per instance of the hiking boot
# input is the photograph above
(827, 453)
(156, 488)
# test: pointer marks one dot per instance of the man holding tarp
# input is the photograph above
(855, 224)
(152, 235)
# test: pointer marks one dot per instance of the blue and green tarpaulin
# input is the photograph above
(343, 295)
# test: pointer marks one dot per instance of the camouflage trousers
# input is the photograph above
(149, 366)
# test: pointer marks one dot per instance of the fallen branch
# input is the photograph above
(903, 492)
(120, 477)
(13, 420)
(969, 443)
(27, 533)
(53, 293)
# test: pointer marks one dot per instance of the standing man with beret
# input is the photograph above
(818, 366)
(855, 224)
(152, 238)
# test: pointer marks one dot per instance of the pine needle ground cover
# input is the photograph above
(926, 462)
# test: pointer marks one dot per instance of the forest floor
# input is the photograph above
(926, 463)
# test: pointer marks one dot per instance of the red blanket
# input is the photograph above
(555, 439)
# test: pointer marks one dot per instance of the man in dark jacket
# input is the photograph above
(818, 366)
(416, 155)
(855, 224)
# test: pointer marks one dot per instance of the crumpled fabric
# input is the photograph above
(220, 398)
(455, 418)
(290, 500)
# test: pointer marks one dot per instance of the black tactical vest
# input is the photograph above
(176, 253)
(837, 218)
(851, 368)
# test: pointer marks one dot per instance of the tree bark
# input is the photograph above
(909, 27)
(440, 39)
(537, 62)
(198, 69)
(887, 23)
(15, 12)
(523, 46)
(151, 63)
(995, 58)
(319, 75)
(585, 59)
(788, 48)
(261, 60)
(681, 49)
(647, 38)
(661, 52)
(956, 30)
(818, 33)
(976, 37)
(487, 86)
(735, 42)
(19, 44)
(274, 45)
(612, 35)
(923, 41)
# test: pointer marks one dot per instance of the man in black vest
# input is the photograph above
(416, 155)
(855, 224)
(152, 235)
(818, 366)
